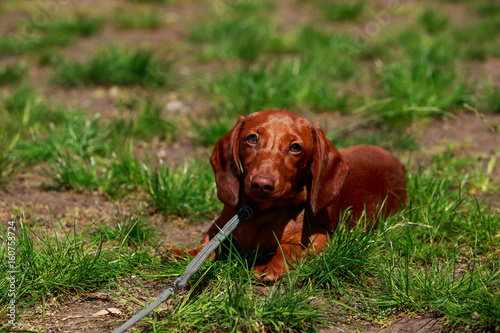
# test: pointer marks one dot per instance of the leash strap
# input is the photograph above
(244, 213)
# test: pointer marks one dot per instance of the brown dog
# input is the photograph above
(298, 184)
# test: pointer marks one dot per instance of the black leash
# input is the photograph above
(244, 213)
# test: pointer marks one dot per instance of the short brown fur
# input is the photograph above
(298, 184)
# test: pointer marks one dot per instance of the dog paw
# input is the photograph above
(266, 274)
(175, 254)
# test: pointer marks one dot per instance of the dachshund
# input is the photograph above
(298, 185)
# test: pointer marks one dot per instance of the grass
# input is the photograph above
(438, 257)
(183, 191)
(7, 163)
(113, 66)
(418, 87)
(12, 74)
(432, 21)
(131, 229)
(149, 122)
(79, 26)
(148, 19)
(243, 37)
(289, 83)
(23, 111)
(49, 263)
(340, 11)
(39, 33)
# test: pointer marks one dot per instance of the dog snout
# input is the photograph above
(263, 185)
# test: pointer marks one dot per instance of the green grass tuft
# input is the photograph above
(243, 37)
(417, 88)
(184, 191)
(149, 19)
(149, 122)
(432, 21)
(50, 264)
(341, 10)
(132, 229)
(79, 26)
(113, 66)
(286, 84)
(12, 74)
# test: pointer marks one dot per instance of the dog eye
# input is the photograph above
(295, 148)
(252, 139)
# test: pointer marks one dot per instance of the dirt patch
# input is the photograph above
(100, 311)
(402, 325)
(473, 132)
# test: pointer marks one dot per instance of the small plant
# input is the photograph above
(113, 66)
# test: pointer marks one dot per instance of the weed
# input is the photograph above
(113, 66)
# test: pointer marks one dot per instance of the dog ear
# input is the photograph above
(226, 164)
(329, 172)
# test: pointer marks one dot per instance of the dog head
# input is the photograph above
(275, 158)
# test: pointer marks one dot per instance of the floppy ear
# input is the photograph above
(226, 164)
(329, 172)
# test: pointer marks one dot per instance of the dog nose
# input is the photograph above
(263, 184)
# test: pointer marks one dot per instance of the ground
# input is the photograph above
(463, 130)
